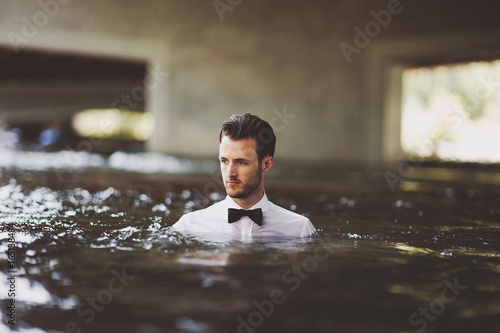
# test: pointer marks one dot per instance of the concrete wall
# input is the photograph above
(279, 59)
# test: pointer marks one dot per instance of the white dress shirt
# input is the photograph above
(277, 221)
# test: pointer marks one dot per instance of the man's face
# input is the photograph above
(241, 171)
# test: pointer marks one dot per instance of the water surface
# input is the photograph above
(94, 252)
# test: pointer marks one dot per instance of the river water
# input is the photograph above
(93, 250)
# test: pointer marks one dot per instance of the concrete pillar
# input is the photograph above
(158, 101)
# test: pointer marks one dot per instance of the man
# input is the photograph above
(246, 153)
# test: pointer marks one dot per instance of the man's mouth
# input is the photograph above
(232, 182)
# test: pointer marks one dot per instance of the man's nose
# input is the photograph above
(232, 171)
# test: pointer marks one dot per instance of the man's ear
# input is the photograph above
(267, 163)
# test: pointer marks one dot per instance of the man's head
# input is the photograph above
(246, 153)
(246, 126)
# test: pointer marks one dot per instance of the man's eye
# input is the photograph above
(243, 163)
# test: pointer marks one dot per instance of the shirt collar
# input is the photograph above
(262, 204)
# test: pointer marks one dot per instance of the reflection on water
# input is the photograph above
(95, 252)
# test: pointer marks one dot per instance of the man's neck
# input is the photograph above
(249, 201)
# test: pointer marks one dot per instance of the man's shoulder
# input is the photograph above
(210, 210)
(200, 217)
(290, 223)
(286, 214)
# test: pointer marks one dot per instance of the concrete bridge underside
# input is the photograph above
(325, 73)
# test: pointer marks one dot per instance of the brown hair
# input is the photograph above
(243, 126)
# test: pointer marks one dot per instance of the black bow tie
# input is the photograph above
(236, 214)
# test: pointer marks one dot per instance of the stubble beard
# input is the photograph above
(249, 187)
